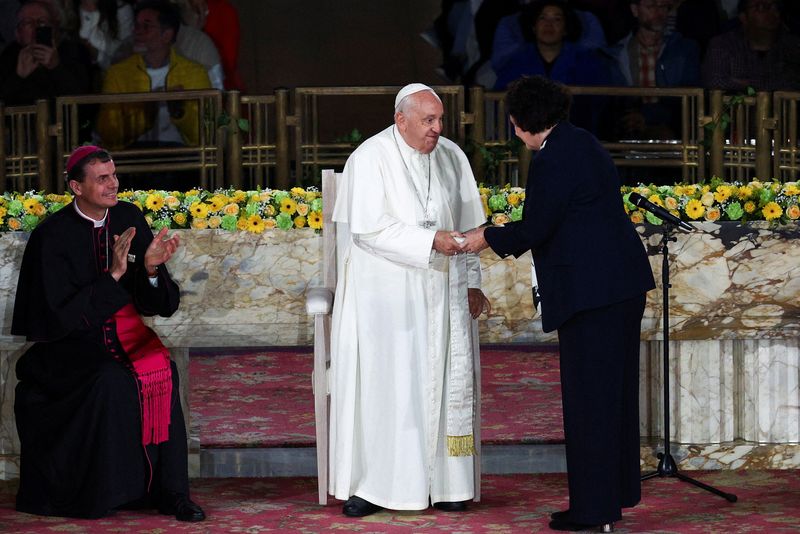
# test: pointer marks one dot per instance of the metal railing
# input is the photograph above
(255, 141)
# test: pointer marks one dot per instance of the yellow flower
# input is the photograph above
(485, 202)
(192, 193)
(689, 190)
(723, 193)
(695, 209)
(180, 219)
(315, 220)
(655, 199)
(707, 199)
(793, 212)
(231, 209)
(138, 205)
(745, 192)
(238, 196)
(484, 191)
(705, 189)
(299, 222)
(302, 209)
(1, 221)
(30, 205)
(637, 217)
(264, 196)
(749, 206)
(678, 190)
(3, 211)
(14, 224)
(255, 224)
(772, 211)
(269, 224)
(513, 199)
(500, 218)
(791, 189)
(214, 221)
(270, 211)
(288, 206)
(298, 192)
(154, 202)
(241, 224)
(198, 210)
(713, 214)
(149, 219)
(671, 203)
(199, 224)
(39, 210)
(216, 203)
(172, 202)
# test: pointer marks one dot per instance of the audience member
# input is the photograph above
(104, 26)
(155, 66)
(510, 35)
(220, 21)
(97, 406)
(551, 31)
(41, 63)
(649, 57)
(759, 54)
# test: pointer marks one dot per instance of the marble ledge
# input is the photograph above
(728, 455)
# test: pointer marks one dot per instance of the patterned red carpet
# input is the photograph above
(768, 502)
(264, 398)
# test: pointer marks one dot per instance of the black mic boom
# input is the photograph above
(640, 202)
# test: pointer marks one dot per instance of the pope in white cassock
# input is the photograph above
(401, 434)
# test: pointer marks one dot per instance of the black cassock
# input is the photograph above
(77, 403)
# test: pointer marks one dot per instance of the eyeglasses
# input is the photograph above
(763, 7)
(30, 23)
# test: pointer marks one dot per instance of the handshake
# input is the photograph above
(452, 243)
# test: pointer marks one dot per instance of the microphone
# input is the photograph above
(640, 202)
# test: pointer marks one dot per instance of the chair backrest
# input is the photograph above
(328, 229)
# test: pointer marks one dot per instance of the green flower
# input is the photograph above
(316, 204)
(734, 211)
(29, 222)
(15, 208)
(497, 202)
(284, 221)
(279, 195)
(158, 224)
(652, 219)
(516, 213)
(229, 223)
(54, 207)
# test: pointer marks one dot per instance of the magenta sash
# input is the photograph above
(150, 360)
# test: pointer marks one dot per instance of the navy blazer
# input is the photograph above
(586, 251)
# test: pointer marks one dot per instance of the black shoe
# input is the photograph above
(182, 507)
(561, 515)
(451, 506)
(565, 524)
(358, 507)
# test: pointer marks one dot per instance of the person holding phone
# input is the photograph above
(39, 64)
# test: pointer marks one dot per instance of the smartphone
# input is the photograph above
(44, 35)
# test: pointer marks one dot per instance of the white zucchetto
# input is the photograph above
(410, 89)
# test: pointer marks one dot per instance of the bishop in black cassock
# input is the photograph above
(98, 430)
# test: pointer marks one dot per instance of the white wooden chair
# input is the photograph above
(319, 303)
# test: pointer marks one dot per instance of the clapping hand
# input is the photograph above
(119, 254)
(160, 250)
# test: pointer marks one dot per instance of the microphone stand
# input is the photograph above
(666, 465)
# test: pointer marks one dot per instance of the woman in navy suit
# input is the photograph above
(593, 275)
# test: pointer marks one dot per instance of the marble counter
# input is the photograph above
(734, 320)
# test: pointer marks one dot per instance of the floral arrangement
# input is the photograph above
(228, 209)
(260, 210)
(714, 201)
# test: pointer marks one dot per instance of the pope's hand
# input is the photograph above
(474, 241)
(160, 250)
(445, 242)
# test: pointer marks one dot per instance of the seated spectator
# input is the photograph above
(551, 30)
(155, 66)
(40, 63)
(759, 54)
(510, 35)
(98, 405)
(220, 21)
(104, 26)
(649, 57)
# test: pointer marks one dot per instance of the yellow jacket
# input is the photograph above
(119, 125)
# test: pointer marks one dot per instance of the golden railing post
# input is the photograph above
(522, 166)
(477, 134)
(718, 135)
(281, 139)
(233, 165)
(765, 124)
(43, 152)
